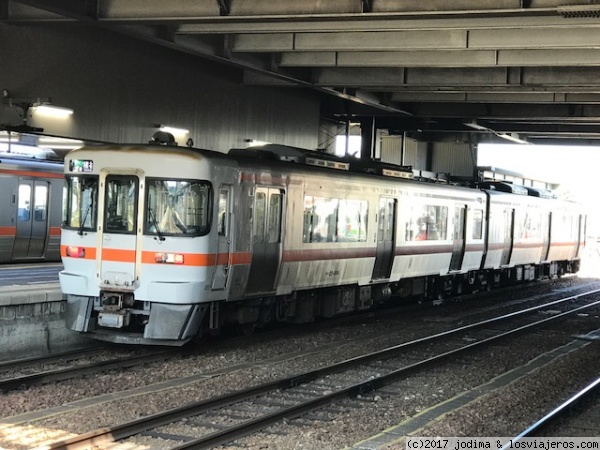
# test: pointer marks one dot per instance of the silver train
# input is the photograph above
(161, 245)
(30, 208)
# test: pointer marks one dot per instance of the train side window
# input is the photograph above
(222, 225)
(40, 203)
(530, 227)
(352, 225)
(477, 224)
(274, 221)
(321, 222)
(24, 205)
(309, 219)
(428, 223)
(260, 211)
(459, 222)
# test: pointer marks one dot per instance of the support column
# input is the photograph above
(368, 136)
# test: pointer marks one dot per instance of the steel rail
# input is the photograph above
(245, 428)
(560, 411)
(71, 372)
(125, 430)
(51, 358)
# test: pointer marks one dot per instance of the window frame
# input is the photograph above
(67, 207)
(202, 231)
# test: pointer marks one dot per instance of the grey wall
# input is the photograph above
(119, 87)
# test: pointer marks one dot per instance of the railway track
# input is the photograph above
(228, 417)
(27, 372)
(561, 412)
(71, 364)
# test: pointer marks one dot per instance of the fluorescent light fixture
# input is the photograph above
(54, 111)
(57, 143)
(476, 126)
(173, 130)
(512, 137)
(255, 143)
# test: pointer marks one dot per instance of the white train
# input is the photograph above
(30, 208)
(164, 244)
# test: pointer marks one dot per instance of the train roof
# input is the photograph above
(294, 157)
(310, 158)
(31, 162)
(506, 187)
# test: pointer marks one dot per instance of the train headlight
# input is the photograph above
(75, 252)
(168, 258)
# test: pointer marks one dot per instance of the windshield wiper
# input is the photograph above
(155, 223)
(82, 226)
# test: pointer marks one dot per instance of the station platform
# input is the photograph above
(32, 321)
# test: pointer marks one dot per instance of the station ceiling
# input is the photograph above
(517, 69)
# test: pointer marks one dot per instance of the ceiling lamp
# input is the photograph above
(54, 111)
(173, 130)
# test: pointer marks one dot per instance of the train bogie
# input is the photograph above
(159, 254)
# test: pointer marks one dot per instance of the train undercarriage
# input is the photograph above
(118, 317)
(307, 306)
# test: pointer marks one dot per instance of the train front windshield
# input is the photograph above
(80, 202)
(177, 207)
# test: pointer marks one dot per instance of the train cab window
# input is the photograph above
(80, 200)
(177, 207)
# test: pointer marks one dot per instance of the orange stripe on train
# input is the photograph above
(118, 255)
(8, 231)
(31, 173)
(190, 259)
(12, 231)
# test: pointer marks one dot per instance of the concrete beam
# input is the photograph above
(556, 79)
(278, 42)
(534, 38)
(512, 38)
(381, 23)
(381, 41)
(493, 97)
(540, 112)
(457, 58)
(555, 57)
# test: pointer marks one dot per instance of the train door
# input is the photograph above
(547, 227)
(32, 219)
(266, 244)
(460, 229)
(386, 238)
(580, 234)
(221, 271)
(117, 252)
(509, 234)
